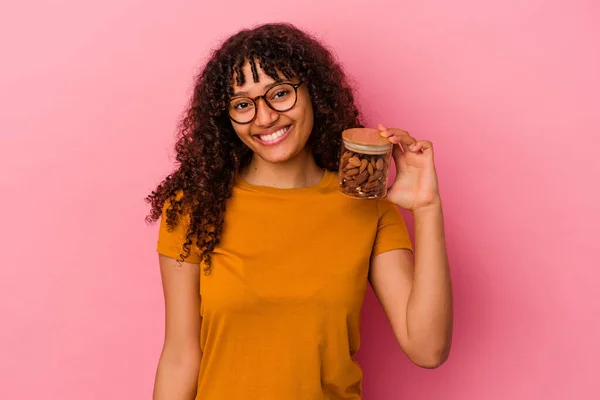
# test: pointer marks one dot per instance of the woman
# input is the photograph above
(264, 263)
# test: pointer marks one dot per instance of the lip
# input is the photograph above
(275, 142)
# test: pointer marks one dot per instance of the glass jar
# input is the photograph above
(364, 163)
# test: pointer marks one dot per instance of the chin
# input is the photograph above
(278, 156)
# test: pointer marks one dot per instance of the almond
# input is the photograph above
(362, 177)
(354, 161)
(371, 185)
(345, 157)
(352, 184)
(375, 176)
(379, 164)
(352, 172)
(363, 164)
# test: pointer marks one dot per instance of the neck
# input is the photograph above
(300, 171)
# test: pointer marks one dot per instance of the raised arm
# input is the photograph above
(416, 293)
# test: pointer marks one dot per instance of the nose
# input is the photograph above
(265, 116)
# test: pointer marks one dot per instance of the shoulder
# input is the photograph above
(173, 231)
(392, 232)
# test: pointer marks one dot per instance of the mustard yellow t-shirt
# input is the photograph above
(282, 304)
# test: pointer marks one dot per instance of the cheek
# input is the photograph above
(242, 132)
(304, 115)
(308, 120)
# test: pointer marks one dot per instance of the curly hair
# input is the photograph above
(209, 154)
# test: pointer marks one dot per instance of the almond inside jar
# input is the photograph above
(364, 164)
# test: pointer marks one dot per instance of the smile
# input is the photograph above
(275, 137)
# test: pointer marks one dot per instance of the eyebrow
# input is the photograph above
(266, 88)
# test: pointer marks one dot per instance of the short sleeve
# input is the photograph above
(170, 242)
(392, 233)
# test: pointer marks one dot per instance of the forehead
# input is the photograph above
(249, 83)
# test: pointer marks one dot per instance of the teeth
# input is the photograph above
(273, 136)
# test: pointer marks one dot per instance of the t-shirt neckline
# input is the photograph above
(323, 183)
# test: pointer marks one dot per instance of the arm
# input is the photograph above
(415, 292)
(179, 364)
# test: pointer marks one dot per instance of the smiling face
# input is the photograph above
(274, 136)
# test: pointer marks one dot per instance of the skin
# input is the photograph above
(413, 289)
(179, 363)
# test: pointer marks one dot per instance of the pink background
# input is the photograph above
(507, 91)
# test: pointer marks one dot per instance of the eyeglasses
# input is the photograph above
(280, 98)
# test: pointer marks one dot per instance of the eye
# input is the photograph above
(280, 93)
(242, 105)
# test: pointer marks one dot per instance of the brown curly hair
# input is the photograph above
(209, 154)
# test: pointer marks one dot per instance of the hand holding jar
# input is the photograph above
(364, 167)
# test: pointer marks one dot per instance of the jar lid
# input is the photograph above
(367, 139)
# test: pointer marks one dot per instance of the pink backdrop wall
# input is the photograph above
(507, 91)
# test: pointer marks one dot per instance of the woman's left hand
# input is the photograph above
(416, 184)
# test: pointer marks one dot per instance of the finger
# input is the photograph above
(399, 136)
(383, 131)
(400, 142)
(404, 138)
(421, 145)
(397, 152)
(399, 132)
